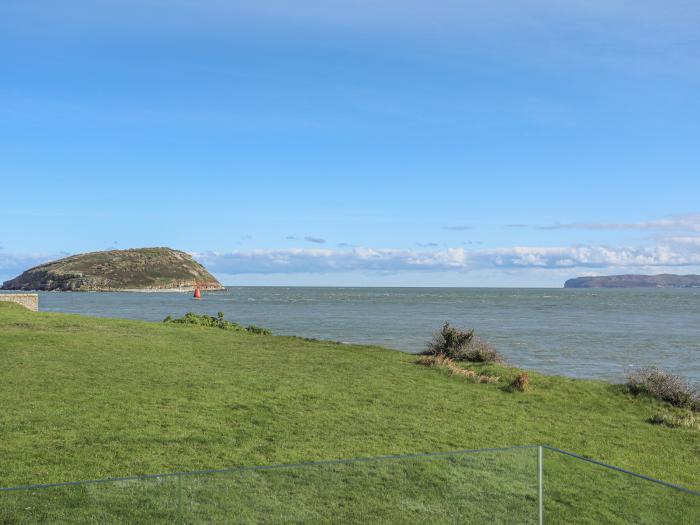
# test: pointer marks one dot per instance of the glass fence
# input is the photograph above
(516, 485)
(580, 490)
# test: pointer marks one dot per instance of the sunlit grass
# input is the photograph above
(86, 398)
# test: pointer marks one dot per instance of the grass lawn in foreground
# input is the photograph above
(86, 398)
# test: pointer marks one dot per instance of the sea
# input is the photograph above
(582, 333)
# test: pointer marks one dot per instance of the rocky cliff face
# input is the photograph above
(635, 281)
(115, 270)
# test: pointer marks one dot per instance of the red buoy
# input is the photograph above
(197, 293)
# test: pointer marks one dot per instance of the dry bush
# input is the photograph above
(452, 368)
(480, 351)
(521, 382)
(664, 386)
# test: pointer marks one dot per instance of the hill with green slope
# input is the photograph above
(151, 269)
(87, 398)
(635, 281)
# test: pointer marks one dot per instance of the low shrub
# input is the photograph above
(462, 345)
(521, 382)
(452, 368)
(688, 420)
(664, 386)
(480, 351)
(259, 330)
(217, 322)
(316, 340)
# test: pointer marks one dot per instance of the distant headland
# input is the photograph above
(136, 270)
(635, 281)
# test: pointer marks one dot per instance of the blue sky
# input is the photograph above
(355, 143)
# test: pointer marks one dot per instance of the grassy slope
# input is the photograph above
(90, 398)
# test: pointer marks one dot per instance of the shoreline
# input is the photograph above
(376, 346)
(163, 290)
(374, 316)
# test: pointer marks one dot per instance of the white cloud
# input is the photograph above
(671, 254)
(688, 222)
(685, 241)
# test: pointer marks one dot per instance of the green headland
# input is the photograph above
(141, 269)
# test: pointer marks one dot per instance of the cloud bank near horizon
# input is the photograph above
(671, 254)
(678, 253)
(678, 248)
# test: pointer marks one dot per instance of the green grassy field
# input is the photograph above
(86, 398)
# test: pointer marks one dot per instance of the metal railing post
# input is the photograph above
(540, 483)
(180, 513)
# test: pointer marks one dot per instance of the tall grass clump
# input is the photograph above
(462, 345)
(448, 365)
(687, 420)
(664, 386)
(521, 382)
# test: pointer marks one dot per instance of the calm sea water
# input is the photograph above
(579, 333)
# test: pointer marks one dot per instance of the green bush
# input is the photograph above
(217, 322)
(259, 330)
(462, 345)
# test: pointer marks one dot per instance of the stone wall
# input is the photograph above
(28, 300)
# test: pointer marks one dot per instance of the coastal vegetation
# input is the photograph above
(521, 382)
(665, 386)
(462, 345)
(90, 398)
(217, 322)
(683, 420)
(449, 366)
